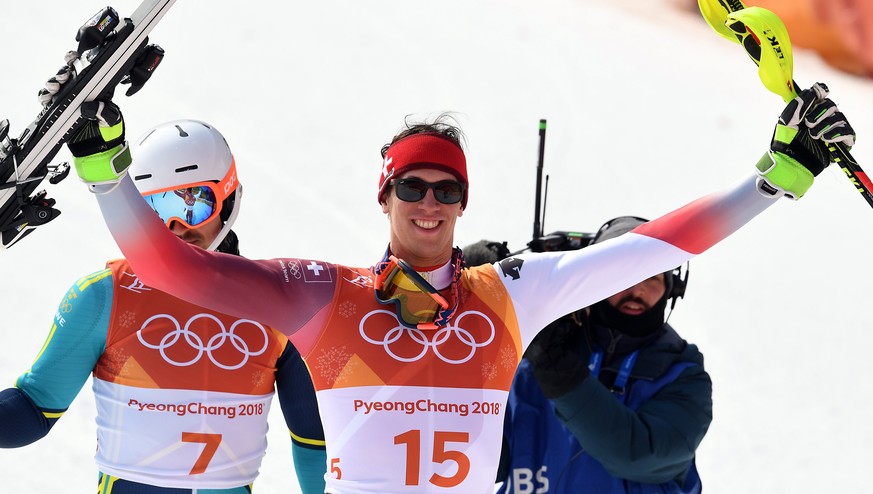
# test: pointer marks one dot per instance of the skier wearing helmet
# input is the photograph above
(183, 392)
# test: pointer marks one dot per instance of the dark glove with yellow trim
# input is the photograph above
(799, 148)
(100, 153)
(556, 359)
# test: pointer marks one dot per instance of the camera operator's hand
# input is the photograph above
(555, 357)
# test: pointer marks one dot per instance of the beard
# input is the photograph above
(644, 324)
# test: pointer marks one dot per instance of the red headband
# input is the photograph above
(426, 150)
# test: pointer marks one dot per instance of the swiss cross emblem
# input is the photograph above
(387, 167)
(316, 272)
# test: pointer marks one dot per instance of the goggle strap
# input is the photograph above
(221, 189)
(445, 314)
(440, 300)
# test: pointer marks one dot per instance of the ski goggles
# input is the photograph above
(193, 205)
(414, 190)
(417, 303)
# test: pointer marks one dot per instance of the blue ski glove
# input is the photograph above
(555, 356)
(799, 148)
(100, 153)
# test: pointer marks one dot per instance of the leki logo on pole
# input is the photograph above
(732, 20)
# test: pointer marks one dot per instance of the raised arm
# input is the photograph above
(544, 287)
(259, 290)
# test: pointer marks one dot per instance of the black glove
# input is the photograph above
(99, 150)
(102, 130)
(555, 356)
(799, 148)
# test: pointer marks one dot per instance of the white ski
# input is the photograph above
(24, 162)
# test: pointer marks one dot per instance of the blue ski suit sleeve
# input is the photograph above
(76, 340)
(300, 409)
(21, 422)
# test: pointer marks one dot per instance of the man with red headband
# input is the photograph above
(413, 358)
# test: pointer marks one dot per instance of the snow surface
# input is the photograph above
(647, 109)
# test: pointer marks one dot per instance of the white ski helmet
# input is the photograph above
(183, 152)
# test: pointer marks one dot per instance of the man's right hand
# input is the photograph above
(799, 149)
(100, 153)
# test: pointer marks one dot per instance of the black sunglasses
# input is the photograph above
(414, 190)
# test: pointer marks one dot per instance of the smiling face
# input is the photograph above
(422, 232)
(640, 297)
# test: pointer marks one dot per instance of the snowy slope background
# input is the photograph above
(647, 110)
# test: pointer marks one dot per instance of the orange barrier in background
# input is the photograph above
(841, 31)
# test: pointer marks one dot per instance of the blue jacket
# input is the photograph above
(595, 440)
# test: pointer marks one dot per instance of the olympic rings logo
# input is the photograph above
(440, 337)
(196, 342)
(294, 268)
